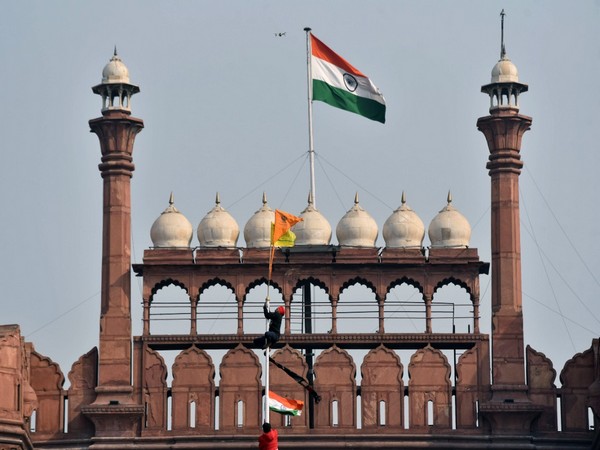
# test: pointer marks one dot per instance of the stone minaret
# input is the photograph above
(503, 129)
(116, 130)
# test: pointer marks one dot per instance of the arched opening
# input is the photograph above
(452, 310)
(430, 421)
(170, 311)
(192, 414)
(217, 310)
(404, 310)
(357, 310)
(33, 421)
(239, 414)
(335, 421)
(310, 310)
(381, 413)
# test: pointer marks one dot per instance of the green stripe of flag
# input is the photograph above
(342, 99)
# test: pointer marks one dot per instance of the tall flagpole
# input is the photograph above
(311, 148)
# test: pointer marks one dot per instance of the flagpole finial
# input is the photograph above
(307, 29)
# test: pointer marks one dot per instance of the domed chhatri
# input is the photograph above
(404, 228)
(504, 88)
(357, 228)
(171, 229)
(115, 89)
(257, 232)
(218, 228)
(449, 228)
(314, 229)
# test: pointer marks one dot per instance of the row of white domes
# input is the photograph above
(403, 229)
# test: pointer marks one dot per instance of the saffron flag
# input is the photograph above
(336, 82)
(286, 406)
(281, 235)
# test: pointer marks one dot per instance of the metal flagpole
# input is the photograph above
(311, 148)
(268, 349)
(267, 410)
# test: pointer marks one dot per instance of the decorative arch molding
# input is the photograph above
(576, 377)
(193, 387)
(404, 280)
(84, 379)
(382, 383)
(361, 281)
(241, 373)
(259, 282)
(429, 373)
(455, 281)
(542, 390)
(166, 283)
(154, 389)
(47, 381)
(335, 381)
(217, 281)
(315, 282)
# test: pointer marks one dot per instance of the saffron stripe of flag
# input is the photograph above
(336, 82)
(284, 405)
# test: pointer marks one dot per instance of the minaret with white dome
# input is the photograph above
(503, 130)
(116, 130)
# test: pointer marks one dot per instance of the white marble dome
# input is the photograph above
(218, 228)
(404, 228)
(171, 229)
(115, 71)
(257, 232)
(357, 228)
(449, 229)
(314, 229)
(505, 71)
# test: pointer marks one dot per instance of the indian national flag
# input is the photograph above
(336, 82)
(284, 405)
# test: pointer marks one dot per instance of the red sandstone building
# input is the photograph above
(496, 394)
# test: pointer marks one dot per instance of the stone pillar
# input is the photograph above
(116, 131)
(503, 130)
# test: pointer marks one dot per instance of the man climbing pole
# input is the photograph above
(271, 336)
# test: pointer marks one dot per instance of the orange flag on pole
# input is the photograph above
(283, 222)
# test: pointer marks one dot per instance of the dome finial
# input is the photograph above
(171, 199)
(264, 198)
(502, 49)
(310, 198)
(449, 199)
(403, 198)
(356, 198)
(115, 52)
(217, 199)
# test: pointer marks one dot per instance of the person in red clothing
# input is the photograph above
(269, 439)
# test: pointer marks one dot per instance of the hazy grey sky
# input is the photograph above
(224, 104)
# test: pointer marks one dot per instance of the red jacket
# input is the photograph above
(268, 441)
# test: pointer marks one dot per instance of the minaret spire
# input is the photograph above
(502, 49)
